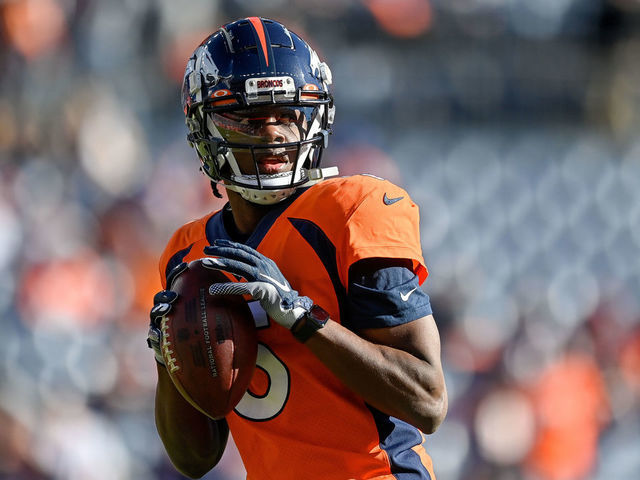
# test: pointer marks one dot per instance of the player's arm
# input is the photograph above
(194, 442)
(396, 369)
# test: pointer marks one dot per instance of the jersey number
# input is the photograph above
(269, 404)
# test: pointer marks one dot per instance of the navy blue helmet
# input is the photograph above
(247, 67)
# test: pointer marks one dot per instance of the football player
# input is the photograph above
(349, 377)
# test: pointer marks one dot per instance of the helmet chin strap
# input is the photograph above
(271, 197)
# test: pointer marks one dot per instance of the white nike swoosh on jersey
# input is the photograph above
(281, 285)
(405, 296)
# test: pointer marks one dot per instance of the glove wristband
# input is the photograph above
(309, 323)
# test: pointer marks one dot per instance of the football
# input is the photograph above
(209, 342)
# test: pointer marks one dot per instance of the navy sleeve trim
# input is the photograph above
(176, 260)
(385, 298)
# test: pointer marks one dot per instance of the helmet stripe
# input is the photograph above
(259, 28)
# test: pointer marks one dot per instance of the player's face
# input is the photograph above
(264, 125)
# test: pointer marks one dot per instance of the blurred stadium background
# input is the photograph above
(513, 124)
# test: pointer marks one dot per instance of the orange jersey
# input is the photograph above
(298, 420)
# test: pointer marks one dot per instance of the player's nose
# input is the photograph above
(272, 131)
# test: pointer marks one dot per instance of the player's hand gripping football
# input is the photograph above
(161, 307)
(265, 282)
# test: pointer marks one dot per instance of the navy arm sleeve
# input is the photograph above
(384, 295)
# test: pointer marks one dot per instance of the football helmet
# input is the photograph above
(250, 73)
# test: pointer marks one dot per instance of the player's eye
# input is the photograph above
(287, 115)
(280, 115)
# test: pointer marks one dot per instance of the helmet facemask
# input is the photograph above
(236, 152)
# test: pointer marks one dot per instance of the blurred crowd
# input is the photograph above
(513, 124)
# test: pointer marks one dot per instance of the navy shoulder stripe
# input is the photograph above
(326, 251)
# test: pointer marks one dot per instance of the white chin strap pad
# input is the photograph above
(270, 197)
(261, 197)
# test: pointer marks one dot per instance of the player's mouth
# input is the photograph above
(273, 163)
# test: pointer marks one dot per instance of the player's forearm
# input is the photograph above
(391, 380)
(194, 442)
